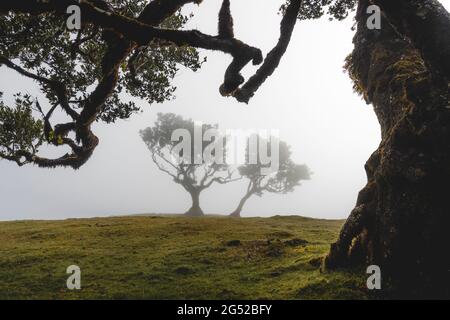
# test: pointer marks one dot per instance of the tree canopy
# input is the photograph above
(133, 47)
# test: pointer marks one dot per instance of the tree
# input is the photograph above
(281, 178)
(195, 165)
(401, 219)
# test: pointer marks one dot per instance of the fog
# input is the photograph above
(309, 100)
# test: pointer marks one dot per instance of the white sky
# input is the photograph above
(309, 99)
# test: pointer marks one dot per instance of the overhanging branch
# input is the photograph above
(124, 35)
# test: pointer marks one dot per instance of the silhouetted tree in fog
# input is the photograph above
(195, 165)
(281, 177)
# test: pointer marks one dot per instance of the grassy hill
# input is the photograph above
(173, 257)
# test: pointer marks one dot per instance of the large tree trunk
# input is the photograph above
(195, 210)
(237, 213)
(402, 218)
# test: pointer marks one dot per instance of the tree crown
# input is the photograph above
(284, 179)
(177, 154)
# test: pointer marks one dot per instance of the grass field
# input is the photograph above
(173, 257)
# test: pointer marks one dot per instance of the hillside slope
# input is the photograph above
(173, 257)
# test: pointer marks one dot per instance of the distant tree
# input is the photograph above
(194, 168)
(261, 178)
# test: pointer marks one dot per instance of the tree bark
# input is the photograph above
(195, 210)
(401, 221)
(237, 213)
(426, 23)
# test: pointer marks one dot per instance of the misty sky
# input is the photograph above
(309, 100)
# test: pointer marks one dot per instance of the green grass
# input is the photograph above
(173, 257)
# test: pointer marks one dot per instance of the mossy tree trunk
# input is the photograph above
(401, 221)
